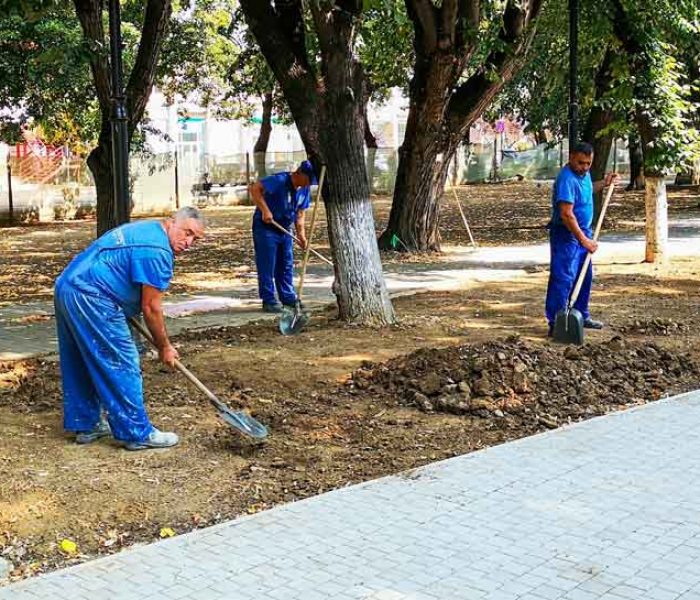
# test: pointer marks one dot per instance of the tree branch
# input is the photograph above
(422, 13)
(138, 89)
(90, 15)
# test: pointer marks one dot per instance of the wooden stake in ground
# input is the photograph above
(464, 219)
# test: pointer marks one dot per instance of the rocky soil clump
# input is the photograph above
(545, 384)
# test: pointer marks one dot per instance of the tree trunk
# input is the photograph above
(100, 164)
(260, 147)
(598, 120)
(656, 220)
(370, 140)
(636, 164)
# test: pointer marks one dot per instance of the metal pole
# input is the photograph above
(247, 177)
(10, 203)
(573, 73)
(177, 181)
(614, 155)
(118, 119)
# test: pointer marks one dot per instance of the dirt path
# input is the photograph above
(330, 427)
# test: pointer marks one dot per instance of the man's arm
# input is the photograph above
(257, 194)
(566, 212)
(610, 179)
(301, 228)
(153, 316)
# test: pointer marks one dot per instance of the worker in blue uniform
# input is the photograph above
(121, 274)
(570, 234)
(282, 197)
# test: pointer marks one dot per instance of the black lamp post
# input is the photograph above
(118, 119)
(573, 72)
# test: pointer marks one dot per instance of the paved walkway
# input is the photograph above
(460, 266)
(607, 509)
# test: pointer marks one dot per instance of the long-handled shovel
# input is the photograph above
(235, 418)
(464, 219)
(298, 241)
(568, 323)
(292, 322)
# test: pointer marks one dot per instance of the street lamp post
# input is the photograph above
(118, 120)
(573, 72)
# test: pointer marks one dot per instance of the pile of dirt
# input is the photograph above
(530, 383)
(655, 326)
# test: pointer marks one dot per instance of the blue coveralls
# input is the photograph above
(274, 255)
(93, 297)
(566, 253)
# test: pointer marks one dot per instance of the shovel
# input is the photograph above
(568, 323)
(235, 418)
(292, 322)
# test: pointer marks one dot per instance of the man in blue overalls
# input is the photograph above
(570, 234)
(119, 275)
(282, 197)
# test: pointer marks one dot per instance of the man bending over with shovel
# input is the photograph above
(280, 201)
(119, 275)
(570, 234)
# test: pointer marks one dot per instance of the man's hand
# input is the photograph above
(590, 245)
(168, 355)
(267, 216)
(611, 179)
(302, 240)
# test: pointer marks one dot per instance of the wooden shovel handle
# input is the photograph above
(307, 250)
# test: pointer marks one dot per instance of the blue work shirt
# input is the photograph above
(282, 200)
(117, 264)
(577, 190)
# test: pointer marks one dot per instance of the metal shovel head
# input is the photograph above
(568, 327)
(244, 423)
(293, 321)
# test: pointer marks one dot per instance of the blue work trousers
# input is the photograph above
(566, 261)
(274, 259)
(99, 365)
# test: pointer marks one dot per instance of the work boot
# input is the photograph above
(100, 430)
(155, 439)
(272, 307)
(591, 324)
(293, 305)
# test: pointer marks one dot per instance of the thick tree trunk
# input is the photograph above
(100, 164)
(636, 164)
(598, 120)
(260, 147)
(656, 220)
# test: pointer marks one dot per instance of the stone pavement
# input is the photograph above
(603, 510)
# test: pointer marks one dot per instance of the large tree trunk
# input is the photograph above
(100, 164)
(636, 163)
(330, 121)
(442, 107)
(656, 205)
(260, 147)
(598, 120)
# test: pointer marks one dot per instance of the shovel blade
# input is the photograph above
(568, 327)
(244, 423)
(293, 321)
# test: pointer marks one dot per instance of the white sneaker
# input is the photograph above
(155, 439)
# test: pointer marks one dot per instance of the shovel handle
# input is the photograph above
(307, 250)
(464, 218)
(596, 233)
(296, 239)
(180, 367)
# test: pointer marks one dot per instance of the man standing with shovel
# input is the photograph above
(280, 201)
(570, 234)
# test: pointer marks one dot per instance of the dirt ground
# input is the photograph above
(343, 404)
(32, 256)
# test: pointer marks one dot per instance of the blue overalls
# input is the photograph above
(93, 298)
(274, 255)
(566, 253)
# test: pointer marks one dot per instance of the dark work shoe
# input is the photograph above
(591, 324)
(100, 430)
(272, 308)
(550, 330)
(292, 305)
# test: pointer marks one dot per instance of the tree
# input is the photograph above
(662, 109)
(465, 51)
(325, 99)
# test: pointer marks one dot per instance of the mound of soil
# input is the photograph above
(517, 380)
